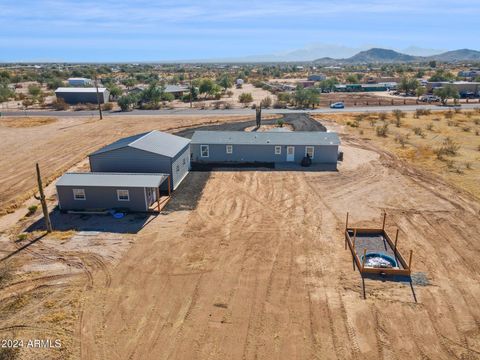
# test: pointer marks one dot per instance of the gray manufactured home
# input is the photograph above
(265, 147)
(99, 191)
(151, 152)
(84, 95)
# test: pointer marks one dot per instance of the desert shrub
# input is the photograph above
(279, 105)
(476, 121)
(372, 122)
(468, 165)
(228, 105)
(429, 127)
(266, 102)
(477, 132)
(229, 93)
(32, 209)
(107, 106)
(458, 111)
(382, 116)
(422, 112)
(360, 117)
(401, 139)
(280, 123)
(466, 128)
(217, 105)
(417, 131)
(245, 98)
(449, 114)
(436, 119)
(450, 123)
(382, 130)
(449, 147)
(60, 104)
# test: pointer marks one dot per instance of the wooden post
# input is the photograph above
(384, 218)
(169, 188)
(158, 199)
(346, 223)
(46, 215)
(395, 247)
(364, 258)
(410, 260)
(98, 98)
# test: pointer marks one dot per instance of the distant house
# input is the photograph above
(317, 77)
(84, 95)
(365, 87)
(463, 87)
(151, 152)
(99, 191)
(471, 74)
(80, 82)
(264, 147)
(177, 90)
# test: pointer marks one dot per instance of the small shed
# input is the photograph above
(265, 147)
(100, 191)
(82, 95)
(150, 152)
(79, 81)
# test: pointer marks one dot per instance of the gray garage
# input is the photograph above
(264, 147)
(151, 152)
(99, 191)
(79, 95)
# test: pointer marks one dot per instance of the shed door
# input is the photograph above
(290, 153)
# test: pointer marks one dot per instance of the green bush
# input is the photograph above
(32, 209)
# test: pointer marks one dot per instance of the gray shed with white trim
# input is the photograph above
(87, 191)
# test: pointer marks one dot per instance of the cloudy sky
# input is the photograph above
(139, 30)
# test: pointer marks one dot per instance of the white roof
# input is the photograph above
(79, 89)
(112, 179)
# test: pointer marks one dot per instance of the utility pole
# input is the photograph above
(46, 215)
(98, 98)
(190, 76)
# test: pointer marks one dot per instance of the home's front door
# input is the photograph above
(290, 153)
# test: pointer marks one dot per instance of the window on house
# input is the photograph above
(309, 150)
(278, 150)
(183, 161)
(123, 195)
(79, 194)
(177, 168)
(204, 151)
(229, 149)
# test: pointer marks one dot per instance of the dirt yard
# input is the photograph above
(250, 264)
(59, 143)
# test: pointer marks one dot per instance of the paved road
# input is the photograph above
(242, 111)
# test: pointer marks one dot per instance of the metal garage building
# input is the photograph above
(87, 191)
(151, 152)
(264, 147)
(82, 95)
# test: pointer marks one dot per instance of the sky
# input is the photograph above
(181, 30)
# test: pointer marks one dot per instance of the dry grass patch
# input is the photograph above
(27, 122)
(445, 143)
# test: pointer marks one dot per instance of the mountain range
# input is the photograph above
(378, 55)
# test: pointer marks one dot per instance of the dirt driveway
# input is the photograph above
(258, 271)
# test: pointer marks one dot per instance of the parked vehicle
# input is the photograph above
(337, 105)
(430, 98)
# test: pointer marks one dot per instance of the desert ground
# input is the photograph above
(251, 264)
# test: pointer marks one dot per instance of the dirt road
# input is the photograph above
(258, 271)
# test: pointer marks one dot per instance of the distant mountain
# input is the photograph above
(457, 55)
(378, 55)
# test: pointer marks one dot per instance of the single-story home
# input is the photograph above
(317, 77)
(82, 95)
(100, 191)
(150, 152)
(264, 147)
(463, 87)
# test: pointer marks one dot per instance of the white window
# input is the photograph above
(177, 168)
(229, 149)
(309, 150)
(79, 194)
(123, 195)
(204, 151)
(278, 150)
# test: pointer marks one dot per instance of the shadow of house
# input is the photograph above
(129, 224)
